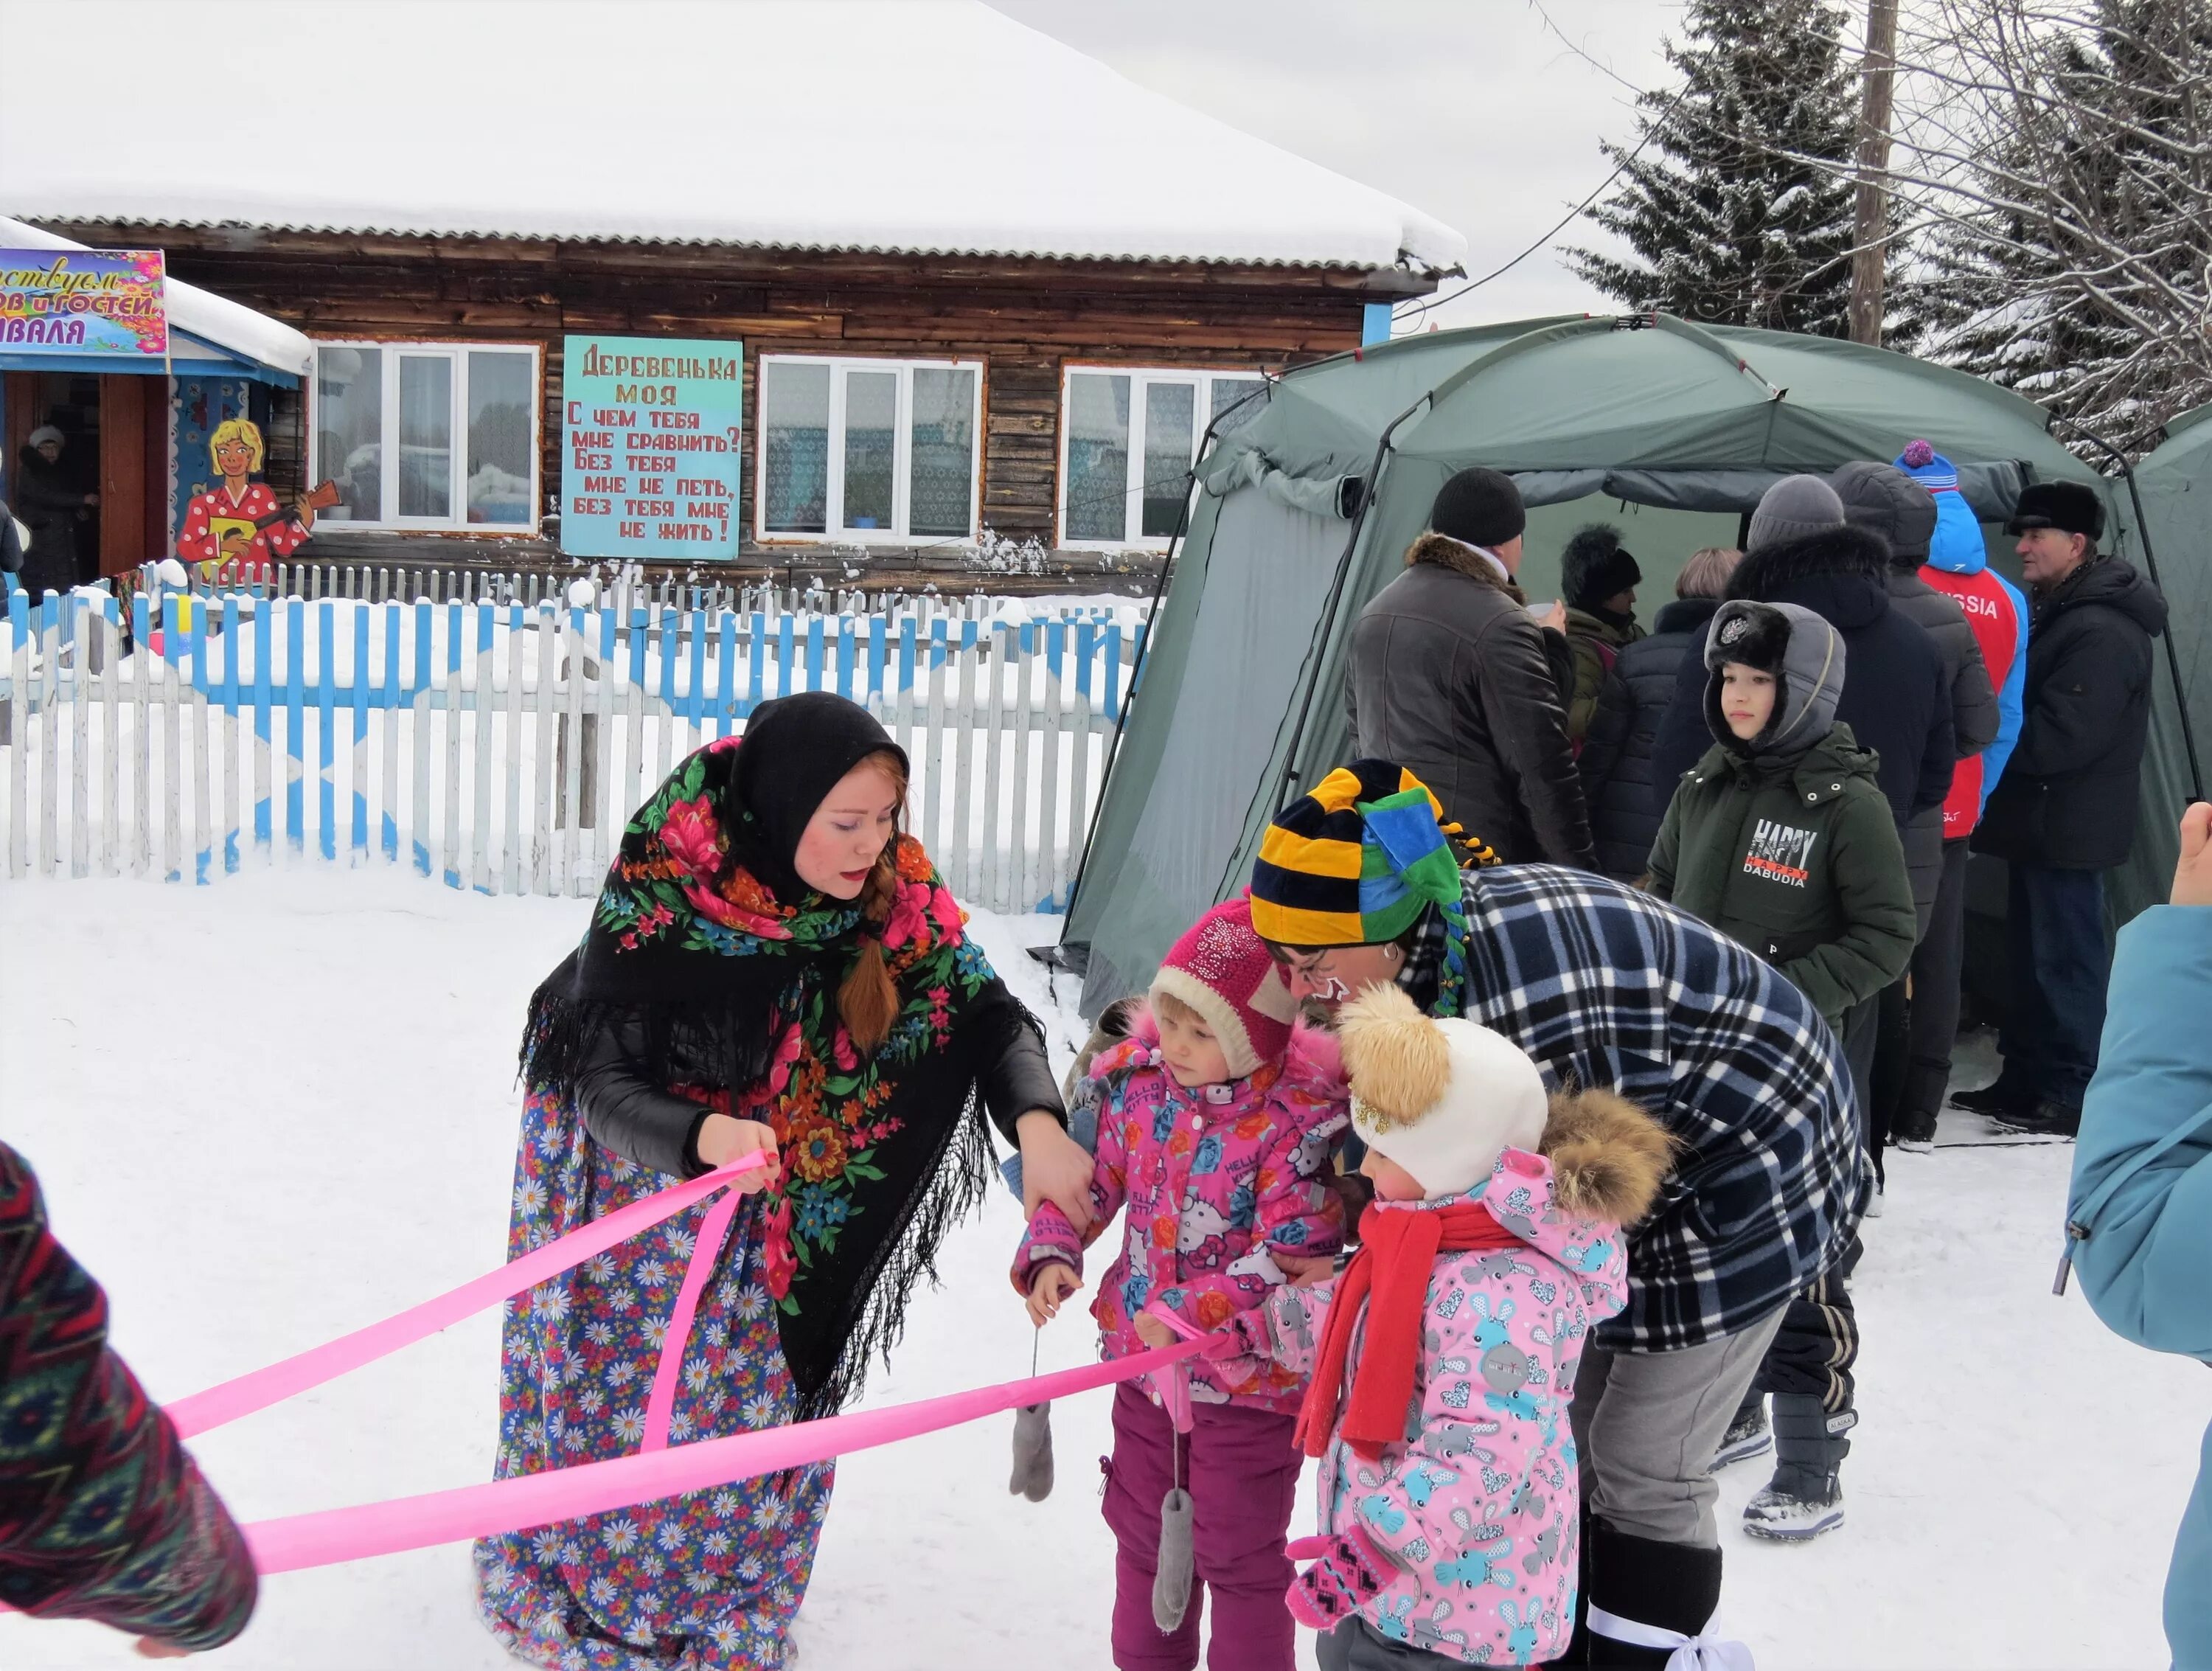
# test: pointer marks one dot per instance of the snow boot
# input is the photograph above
(1993, 1100)
(1650, 1600)
(1032, 1474)
(1914, 1131)
(1806, 1496)
(1748, 1434)
(2048, 1118)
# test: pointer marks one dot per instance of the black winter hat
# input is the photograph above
(1595, 566)
(2064, 505)
(1479, 506)
(1883, 500)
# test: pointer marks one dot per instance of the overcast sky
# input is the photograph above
(1473, 110)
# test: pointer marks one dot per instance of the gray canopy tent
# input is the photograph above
(1305, 511)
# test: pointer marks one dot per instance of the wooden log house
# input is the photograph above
(1019, 317)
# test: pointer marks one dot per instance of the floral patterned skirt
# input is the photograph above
(708, 1580)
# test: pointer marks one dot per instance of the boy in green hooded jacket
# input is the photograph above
(1781, 838)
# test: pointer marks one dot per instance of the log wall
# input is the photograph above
(1025, 319)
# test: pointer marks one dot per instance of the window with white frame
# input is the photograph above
(876, 451)
(427, 434)
(1128, 440)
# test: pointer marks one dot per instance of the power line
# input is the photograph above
(1650, 130)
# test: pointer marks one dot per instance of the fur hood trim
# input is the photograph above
(1442, 551)
(1833, 552)
(1608, 1157)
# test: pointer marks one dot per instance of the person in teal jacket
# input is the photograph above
(2139, 1214)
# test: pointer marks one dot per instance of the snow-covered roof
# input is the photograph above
(213, 319)
(931, 126)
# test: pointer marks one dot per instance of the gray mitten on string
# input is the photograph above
(1032, 1474)
(1171, 1582)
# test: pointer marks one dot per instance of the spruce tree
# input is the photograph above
(1729, 229)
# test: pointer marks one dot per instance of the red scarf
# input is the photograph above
(1398, 1251)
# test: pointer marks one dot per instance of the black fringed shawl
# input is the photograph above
(737, 992)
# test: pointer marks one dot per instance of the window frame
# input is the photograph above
(455, 351)
(1141, 377)
(834, 533)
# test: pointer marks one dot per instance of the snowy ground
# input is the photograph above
(278, 1108)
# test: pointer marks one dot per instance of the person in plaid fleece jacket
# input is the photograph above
(1361, 883)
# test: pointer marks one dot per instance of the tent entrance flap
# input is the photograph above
(1252, 603)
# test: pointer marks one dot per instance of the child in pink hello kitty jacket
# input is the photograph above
(1442, 1358)
(1218, 1120)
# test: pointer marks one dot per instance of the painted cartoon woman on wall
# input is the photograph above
(236, 527)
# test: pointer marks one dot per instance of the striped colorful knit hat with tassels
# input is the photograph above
(1356, 861)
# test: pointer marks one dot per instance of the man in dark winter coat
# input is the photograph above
(2065, 810)
(103, 1515)
(1616, 756)
(1451, 677)
(1598, 578)
(1802, 551)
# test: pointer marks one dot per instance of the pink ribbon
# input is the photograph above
(262, 1387)
(659, 1407)
(542, 1500)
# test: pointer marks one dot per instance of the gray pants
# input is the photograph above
(1356, 1646)
(1647, 1425)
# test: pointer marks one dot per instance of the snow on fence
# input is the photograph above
(501, 746)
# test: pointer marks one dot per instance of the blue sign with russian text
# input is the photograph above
(651, 440)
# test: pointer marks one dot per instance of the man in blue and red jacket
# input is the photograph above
(1958, 566)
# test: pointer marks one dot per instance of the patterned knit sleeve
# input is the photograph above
(103, 1515)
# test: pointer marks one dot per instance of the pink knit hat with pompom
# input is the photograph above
(1220, 967)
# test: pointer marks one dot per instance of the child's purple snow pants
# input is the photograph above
(1242, 1472)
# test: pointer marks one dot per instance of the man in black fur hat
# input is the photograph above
(2064, 812)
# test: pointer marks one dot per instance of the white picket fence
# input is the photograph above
(501, 746)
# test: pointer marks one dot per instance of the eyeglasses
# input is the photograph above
(1305, 962)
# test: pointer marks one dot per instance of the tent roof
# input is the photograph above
(1644, 393)
(215, 320)
(2191, 432)
(935, 127)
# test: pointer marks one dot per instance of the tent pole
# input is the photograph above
(1145, 648)
(1322, 628)
(2150, 566)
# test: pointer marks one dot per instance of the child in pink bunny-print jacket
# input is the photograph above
(1216, 1120)
(1457, 1536)
(1215, 1179)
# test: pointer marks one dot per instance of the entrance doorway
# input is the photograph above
(100, 506)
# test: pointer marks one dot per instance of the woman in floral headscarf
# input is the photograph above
(771, 968)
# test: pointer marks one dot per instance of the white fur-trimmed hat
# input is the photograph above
(1441, 1098)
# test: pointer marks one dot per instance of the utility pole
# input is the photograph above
(1878, 71)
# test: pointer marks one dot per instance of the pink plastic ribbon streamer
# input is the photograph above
(332, 1536)
(273, 1384)
(662, 1404)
